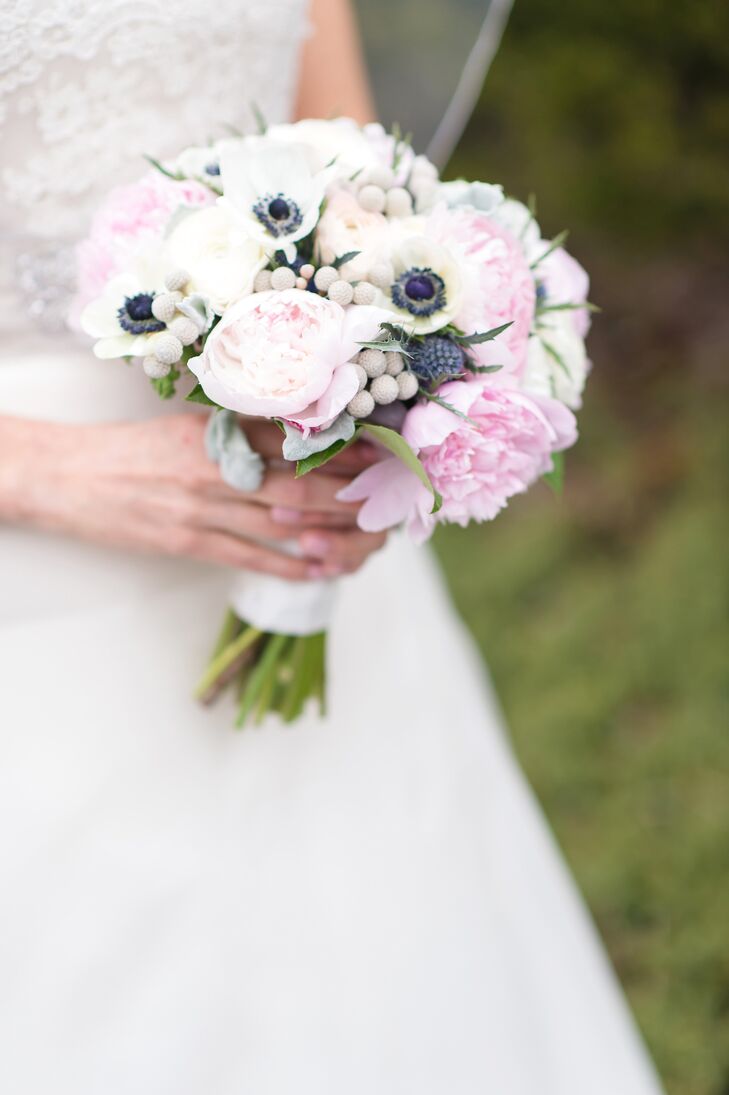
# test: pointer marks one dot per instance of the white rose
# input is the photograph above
(220, 258)
(346, 226)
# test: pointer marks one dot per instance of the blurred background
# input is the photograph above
(603, 614)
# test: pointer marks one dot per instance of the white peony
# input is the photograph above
(221, 259)
(557, 364)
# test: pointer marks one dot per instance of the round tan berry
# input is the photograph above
(301, 283)
(184, 329)
(163, 307)
(364, 293)
(177, 279)
(407, 385)
(398, 202)
(283, 278)
(381, 176)
(372, 198)
(263, 281)
(167, 349)
(394, 363)
(154, 369)
(372, 361)
(361, 405)
(324, 277)
(307, 271)
(384, 389)
(382, 275)
(341, 292)
(361, 376)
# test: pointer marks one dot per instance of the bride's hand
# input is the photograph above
(148, 486)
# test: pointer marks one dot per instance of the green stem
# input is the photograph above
(267, 664)
(225, 659)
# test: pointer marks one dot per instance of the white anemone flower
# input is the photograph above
(273, 189)
(221, 259)
(121, 318)
(201, 163)
(426, 291)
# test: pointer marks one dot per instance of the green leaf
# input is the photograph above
(261, 123)
(346, 257)
(317, 459)
(556, 356)
(170, 174)
(480, 369)
(555, 477)
(385, 346)
(556, 242)
(482, 336)
(399, 447)
(197, 395)
(166, 386)
(568, 307)
(447, 406)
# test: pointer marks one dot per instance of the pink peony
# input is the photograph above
(131, 219)
(566, 282)
(286, 355)
(476, 468)
(498, 286)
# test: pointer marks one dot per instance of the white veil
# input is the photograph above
(427, 61)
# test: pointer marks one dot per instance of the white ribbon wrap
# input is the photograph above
(288, 608)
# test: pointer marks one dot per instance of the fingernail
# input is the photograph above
(311, 543)
(286, 516)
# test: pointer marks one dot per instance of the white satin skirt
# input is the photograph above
(366, 904)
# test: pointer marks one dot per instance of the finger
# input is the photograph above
(267, 440)
(218, 547)
(240, 518)
(310, 492)
(342, 549)
(295, 520)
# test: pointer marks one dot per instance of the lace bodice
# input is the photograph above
(87, 87)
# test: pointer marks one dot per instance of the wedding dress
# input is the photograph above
(366, 904)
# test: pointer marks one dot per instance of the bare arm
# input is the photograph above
(333, 78)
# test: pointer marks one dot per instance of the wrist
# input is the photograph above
(26, 462)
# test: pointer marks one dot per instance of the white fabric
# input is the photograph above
(366, 904)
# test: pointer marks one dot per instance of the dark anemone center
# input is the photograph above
(135, 315)
(212, 168)
(279, 209)
(420, 287)
(140, 306)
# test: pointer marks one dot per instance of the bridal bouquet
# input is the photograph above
(321, 275)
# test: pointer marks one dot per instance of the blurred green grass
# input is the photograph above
(603, 614)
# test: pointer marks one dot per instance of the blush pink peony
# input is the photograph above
(566, 282)
(132, 218)
(286, 355)
(475, 466)
(498, 286)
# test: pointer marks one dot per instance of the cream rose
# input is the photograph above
(286, 355)
(345, 226)
(221, 259)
